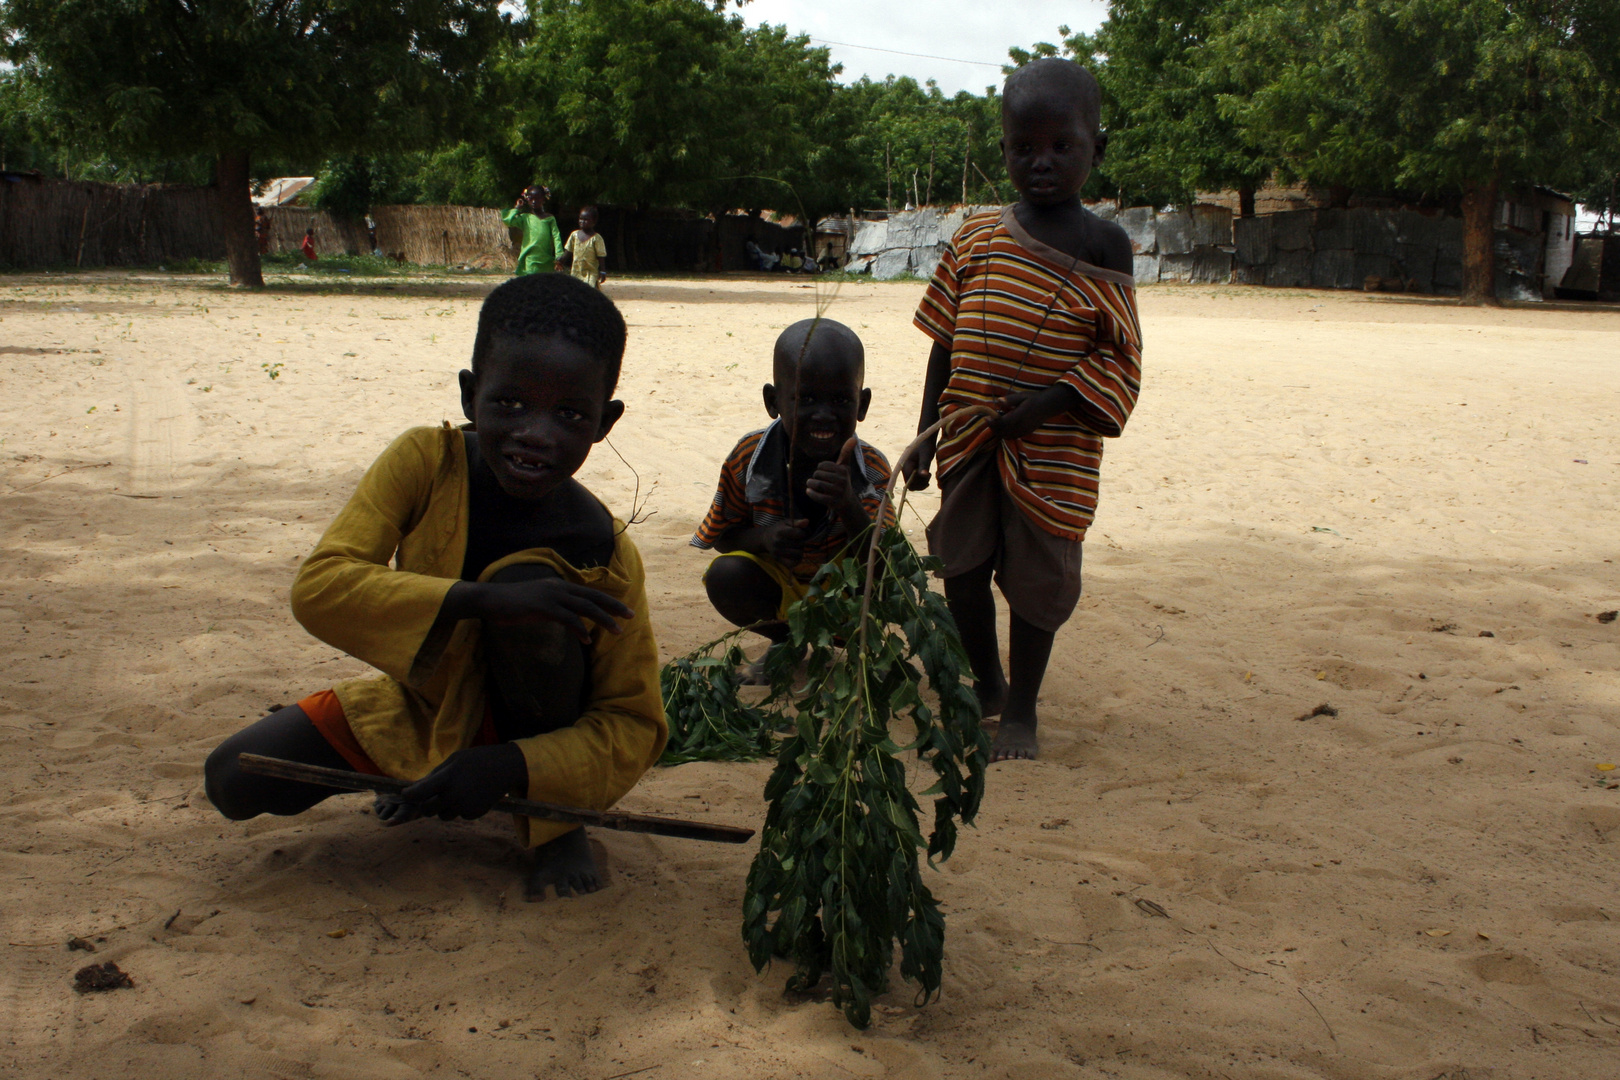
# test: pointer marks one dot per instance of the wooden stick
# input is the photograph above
(948, 422)
(602, 819)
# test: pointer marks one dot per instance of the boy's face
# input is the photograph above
(1050, 150)
(821, 407)
(538, 405)
(587, 220)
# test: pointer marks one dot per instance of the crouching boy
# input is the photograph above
(502, 602)
(792, 495)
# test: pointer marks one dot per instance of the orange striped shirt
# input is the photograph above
(753, 491)
(1018, 315)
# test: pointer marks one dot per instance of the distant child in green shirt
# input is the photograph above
(588, 249)
(542, 248)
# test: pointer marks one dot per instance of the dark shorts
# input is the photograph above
(1038, 573)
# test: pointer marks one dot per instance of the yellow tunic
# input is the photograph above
(411, 508)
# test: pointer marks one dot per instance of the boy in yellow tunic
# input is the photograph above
(503, 603)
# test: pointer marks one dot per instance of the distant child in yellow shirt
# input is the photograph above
(588, 250)
(502, 602)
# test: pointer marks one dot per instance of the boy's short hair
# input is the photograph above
(553, 305)
(810, 336)
(1054, 77)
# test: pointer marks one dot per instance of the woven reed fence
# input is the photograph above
(59, 223)
(333, 236)
(445, 235)
(426, 235)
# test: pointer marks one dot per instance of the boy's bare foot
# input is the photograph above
(565, 864)
(992, 699)
(1015, 741)
(393, 810)
(754, 674)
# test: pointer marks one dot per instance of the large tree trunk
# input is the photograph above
(236, 217)
(1479, 239)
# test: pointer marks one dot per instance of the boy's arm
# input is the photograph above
(556, 240)
(729, 525)
(347, 595)
(593, 762)
(917, 469)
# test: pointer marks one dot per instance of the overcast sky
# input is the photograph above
(972, 30)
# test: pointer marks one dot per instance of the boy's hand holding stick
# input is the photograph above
(915, 459)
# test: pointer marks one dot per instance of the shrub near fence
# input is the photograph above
(52, 223)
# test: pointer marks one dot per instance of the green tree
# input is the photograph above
(914, 144)
(670, 102)
(1449, 98)
(235, 78)
(1168, 138)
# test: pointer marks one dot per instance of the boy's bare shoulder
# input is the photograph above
(1112, 245)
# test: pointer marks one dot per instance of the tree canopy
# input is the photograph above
(683, 103)
(231, 78)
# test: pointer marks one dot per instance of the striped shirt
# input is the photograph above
(753, 491)
(1018, 315)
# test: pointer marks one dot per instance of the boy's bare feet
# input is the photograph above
(1015, 741)
(992, 698)
(565, 864)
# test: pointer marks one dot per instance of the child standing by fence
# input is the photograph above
(587, 249)
(542, 245)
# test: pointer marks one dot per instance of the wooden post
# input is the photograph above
(84, 222)
(888, 179)
(967, 155)
(928, 199)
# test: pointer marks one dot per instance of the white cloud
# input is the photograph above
(972, 30)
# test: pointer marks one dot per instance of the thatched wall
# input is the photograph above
(333, 236)
(427, 235)
(51, 223)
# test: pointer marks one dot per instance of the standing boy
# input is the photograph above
(541, 247)
(1033, 311)
(792, 495)
(504, 605)
(587, 249)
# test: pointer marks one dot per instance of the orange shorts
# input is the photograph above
(326, 713)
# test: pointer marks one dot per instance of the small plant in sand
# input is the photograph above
(708, 720)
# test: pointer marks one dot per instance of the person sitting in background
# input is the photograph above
(759, 258)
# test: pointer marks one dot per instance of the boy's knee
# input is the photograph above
(741, 591)
(223, 781)
(732, 579)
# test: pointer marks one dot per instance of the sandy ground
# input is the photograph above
(1399, 508)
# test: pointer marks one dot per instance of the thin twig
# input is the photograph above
(64, 472)
(634, 1072)
(1318, 1013)
(1158, 639)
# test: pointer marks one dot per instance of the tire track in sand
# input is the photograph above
(162, 429)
